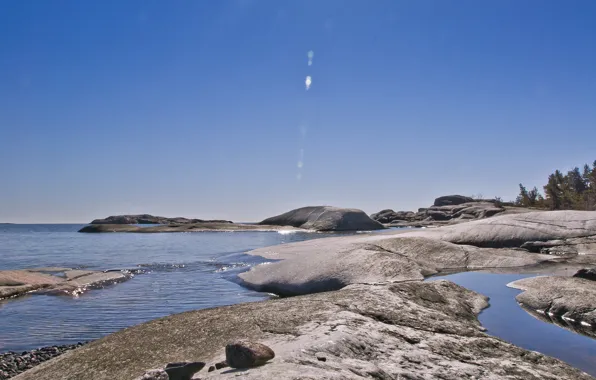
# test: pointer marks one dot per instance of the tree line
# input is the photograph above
(575, 190)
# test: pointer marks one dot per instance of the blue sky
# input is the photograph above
(200, 109)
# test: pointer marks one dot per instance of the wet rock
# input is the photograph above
(72, 282)
(246, 354)
(183, 371)
(588, 274)
(325, 218)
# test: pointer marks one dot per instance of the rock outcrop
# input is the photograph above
(570, 299)
(408, 331)
(151, 219)
(325, 218)
(449, 209)
(14, 283)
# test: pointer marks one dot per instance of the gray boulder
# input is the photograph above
(246, 354)
(325, 218)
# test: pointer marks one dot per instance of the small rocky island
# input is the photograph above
(316, 218)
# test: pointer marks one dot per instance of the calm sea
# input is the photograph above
(185, 271)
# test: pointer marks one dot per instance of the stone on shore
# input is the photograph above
(325, 218)
(246, 354)
(410, 331)
(184, 370)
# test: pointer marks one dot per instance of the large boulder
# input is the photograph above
(452, 200)
(325, 218)
(399, 331)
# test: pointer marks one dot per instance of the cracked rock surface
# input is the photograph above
(400, 331)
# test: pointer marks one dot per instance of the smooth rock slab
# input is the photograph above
(332, 263)
(245, 354)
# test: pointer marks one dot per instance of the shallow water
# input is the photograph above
(507, 320)
(186, 271)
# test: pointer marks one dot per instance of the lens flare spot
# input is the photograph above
(310, 56)
(308, 82)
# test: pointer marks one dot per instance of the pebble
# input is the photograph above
(245, 354)
(13, 363)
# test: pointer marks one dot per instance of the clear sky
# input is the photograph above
(200, 108)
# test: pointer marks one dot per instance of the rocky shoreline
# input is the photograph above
(13, 363)
(355, 307)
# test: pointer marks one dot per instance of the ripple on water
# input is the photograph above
(174, 273)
